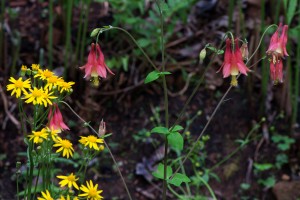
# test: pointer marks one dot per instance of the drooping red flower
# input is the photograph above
(277, 51)
(233, 62)
(95, 65)
(55, 119)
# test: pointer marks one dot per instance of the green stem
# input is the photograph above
(106, 145)
(68, 35)
(79, 32)
(83, 38)
(18, 186)
(297, 82)
(165, 99)
(208, 187)
(135, 42)
(50, 37)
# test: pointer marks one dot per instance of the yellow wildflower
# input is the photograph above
(68, 180)
(65, 86)
(91, 192)
(44, 74)
(35, 67)
(91, 141)
(65, 145)
(17, 86)
(38, 136)
(39, 96)
(46, 196)
(52, 82)
(53, 132)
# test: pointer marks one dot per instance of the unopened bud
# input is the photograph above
(18, 164)
(95, 32)
(102, 128)
(202, 55)
(244, 50)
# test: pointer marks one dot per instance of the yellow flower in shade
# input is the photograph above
(38, 136)
(47, 97)
(65, 145)
(91, 141)
(39, 96)
(24, 68)
(35, 67)
(53, 82)
(44, 74)
(65, 86)
(18, 86)
(68, 180)
(53, 132)
(35, 96)
(46, 196)
(91, 192)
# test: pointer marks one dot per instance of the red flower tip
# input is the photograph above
(55, 119)
(277, 51)
(233, 61)
(95, 65)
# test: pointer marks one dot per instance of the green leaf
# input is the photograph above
(263, 166)
(159, 173)
(269, 182)
(245, 186)
(165, 73)
(291, 10)
(175, 140)
(177, 128)
(144, 42)
(160, 130)
(178, 179)
(152, 76)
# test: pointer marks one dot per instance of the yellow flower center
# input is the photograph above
(37, 93)
(92, 192)
(19, 84)
(47, 74)
(71, 178)
(92, 139)
(66, 144)
(52, 79)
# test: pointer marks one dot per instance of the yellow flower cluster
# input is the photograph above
(41, 88)
(90, 191)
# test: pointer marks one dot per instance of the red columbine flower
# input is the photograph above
(95, 65)
(277, 51)
(233, 62)
(55, 119)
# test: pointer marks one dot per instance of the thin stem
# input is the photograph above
(165, 99)
(85, 24)
(135, 42)
(68, 35)
(208, 187)
(18, 186)
(106, 145)
(50, 37)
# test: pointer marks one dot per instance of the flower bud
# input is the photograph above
(202, 55)
(244, 50)
(18, 164)
(102, 128)
(95, 32)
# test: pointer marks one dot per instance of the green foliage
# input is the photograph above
(268, 182)
(159, 173)
(154, 75)
(283, 142)
(160, 130)
(178, 179)
(175, 140)
(263, 166)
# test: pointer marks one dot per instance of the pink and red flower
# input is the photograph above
(233, 61)
(277, 51)
(95, 65)
(55, 119)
